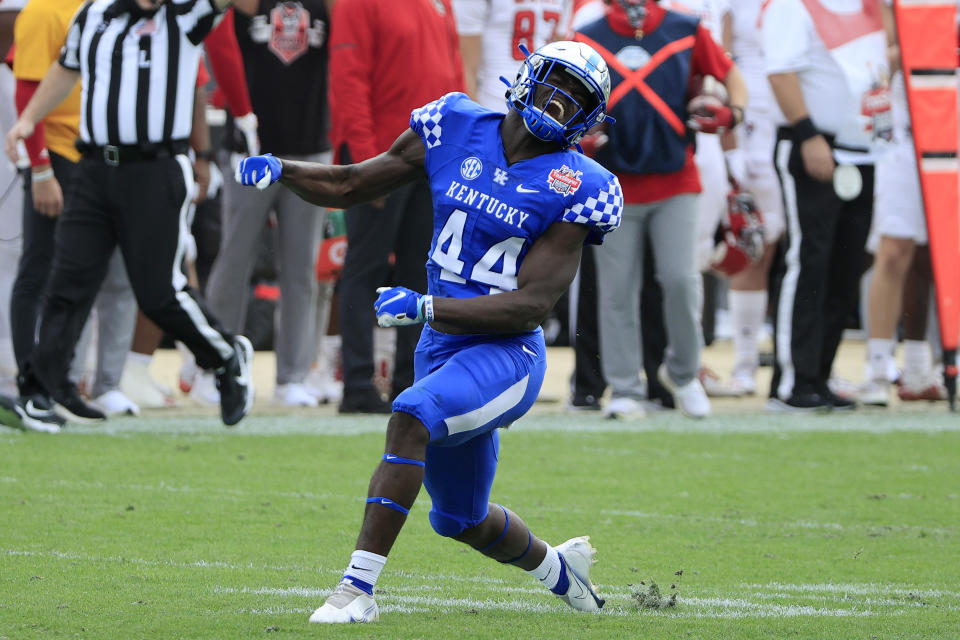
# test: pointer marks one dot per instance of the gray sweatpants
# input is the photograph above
(671, 225)
(300, 224)
(115, 310)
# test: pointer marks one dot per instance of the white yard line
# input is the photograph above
(860, 589)
(423, 592)
(322, 424)
(542, 602)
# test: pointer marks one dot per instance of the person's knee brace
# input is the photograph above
(387, 502)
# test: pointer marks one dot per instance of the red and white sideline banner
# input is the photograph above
(928, 39)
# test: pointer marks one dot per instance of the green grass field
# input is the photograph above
(836, 526)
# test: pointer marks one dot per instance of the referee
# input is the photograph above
(137, 63)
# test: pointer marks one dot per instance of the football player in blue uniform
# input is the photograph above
(513, 205)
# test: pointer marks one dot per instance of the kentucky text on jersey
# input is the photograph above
(485, 202)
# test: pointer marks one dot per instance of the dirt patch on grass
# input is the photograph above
(649, 596)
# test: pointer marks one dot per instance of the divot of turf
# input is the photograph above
(649, 596)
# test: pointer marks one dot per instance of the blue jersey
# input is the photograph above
(488, 213)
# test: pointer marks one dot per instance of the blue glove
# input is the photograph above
(399, 306)
(261, 171)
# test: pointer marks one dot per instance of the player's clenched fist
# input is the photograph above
(259, 171)
(398, 306)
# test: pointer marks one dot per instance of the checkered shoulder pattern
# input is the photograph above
(602, 210)
(426, 120)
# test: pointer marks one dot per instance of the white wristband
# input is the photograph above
(426, 308)
(42, 176)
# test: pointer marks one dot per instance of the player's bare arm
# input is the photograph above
(546, 272)
(817, 157)
(344, 186)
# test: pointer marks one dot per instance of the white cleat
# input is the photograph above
(743, 383)
(347, 604)
(625, 408)
(294, 395)
(141, 389)
(579, 554)
(874, 393)
(690, 398)
(204, 390)
(115, 403)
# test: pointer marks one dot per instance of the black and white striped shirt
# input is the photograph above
(138, 73)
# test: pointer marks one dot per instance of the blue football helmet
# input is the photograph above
(547, 67)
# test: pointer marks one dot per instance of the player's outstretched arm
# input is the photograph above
(340, 186)
(547, 271)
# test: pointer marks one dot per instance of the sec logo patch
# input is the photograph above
(471, 168)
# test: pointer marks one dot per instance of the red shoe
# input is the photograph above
(931, 392)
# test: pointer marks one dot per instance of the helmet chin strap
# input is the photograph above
(536, 135)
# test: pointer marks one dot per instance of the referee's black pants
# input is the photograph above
(142, 206)
(824, 262)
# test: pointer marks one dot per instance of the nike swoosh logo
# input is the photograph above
(353, 566)
(522, 189)
(390, 456)
(527, 350)
(33, 411)
(385, 501)
(394, 298)
(583, 592)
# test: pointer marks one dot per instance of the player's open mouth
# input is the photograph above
(555, 109)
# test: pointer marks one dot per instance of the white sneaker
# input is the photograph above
(578, 554)
(347, 604)
(322, 385)
(874, 393)
(114, 402)
(714, 386)
(204, 390)
(140, 388)
(294, 395)
(690, 398)
(842, 387)
(625, 409)
(188, 368)
(743, 383)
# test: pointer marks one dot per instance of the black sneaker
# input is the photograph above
(235, 383)
(365, 401)
(71, 406)
(840, 403)
(33, 413)
(800, 403)
(584, 402)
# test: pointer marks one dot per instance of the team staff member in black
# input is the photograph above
(828, 72)
(137, 61)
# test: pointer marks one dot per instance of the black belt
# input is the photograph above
(114, 155)
(786, 133)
